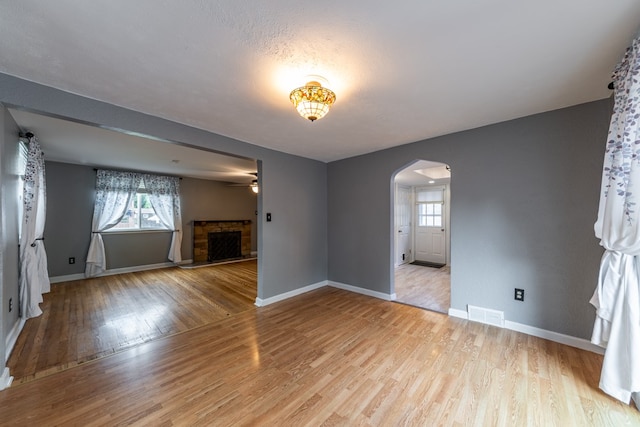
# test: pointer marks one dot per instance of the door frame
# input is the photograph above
(396, 245)
(446, 220)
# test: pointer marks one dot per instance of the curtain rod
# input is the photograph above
(148, 173)
(27, 135)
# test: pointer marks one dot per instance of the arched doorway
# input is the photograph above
(421, 235)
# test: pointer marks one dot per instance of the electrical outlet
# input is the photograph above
(72, 260)
(519, 294)
(10, 304)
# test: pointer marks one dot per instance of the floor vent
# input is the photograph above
(486, 315)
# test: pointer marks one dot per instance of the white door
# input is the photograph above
(430, 239)
(403, 224)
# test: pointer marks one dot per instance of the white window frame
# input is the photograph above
(138, 229)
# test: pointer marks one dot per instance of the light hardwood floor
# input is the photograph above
(328, 357)
(423, 287)
(87, 319)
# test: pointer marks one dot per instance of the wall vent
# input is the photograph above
(486, 315)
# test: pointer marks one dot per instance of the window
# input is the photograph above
(139, 214)
(430, 214)
(22, 168)
(429, 201)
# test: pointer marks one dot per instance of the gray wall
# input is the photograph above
(70, 195)
(213, 200)
(524, 197)
(67, 231)
(8, 227)
(292, 249)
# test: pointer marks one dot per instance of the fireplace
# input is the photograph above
(216, 241)
(224, 245)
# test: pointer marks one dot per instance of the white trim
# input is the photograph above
(554, 336)
(454, 312)
(132, 269)
(254, 254)
(213, 264)
(135, 268)
(67, 278)
(540, 333)
(363, 291)
(262, 302)
(12, 337)
(5, 379)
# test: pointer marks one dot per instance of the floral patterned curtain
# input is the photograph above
(617, 296)
(34, 277)
(164, 195)
(114, 190)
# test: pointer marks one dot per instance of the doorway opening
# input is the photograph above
(421, 224)
(135, 301)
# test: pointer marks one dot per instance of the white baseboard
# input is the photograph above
(132, 269)
(262, 302)
(67, 278)
(12, 337)
(363, 291)
(213, 264)
(5, 379)
(454, 312)
(580, 343)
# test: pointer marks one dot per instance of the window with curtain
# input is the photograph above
(22, 167)
(140, 214)
(117, 197)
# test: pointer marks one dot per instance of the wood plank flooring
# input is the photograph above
(424, 287)
(328, 357)
(87, 319)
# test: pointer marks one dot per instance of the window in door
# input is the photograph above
(430, 214)
(429, 201)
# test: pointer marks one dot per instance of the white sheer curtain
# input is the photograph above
(164, 195)
(114, 190)
(617, 296)
(34, 277)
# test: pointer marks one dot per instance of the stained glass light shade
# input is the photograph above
(312, 100)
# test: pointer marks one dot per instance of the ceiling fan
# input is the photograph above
(253, 185)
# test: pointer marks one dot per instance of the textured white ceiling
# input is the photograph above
(402, 71)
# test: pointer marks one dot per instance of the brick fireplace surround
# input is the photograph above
(201, 230)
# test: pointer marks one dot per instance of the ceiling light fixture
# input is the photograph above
(312, 100)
